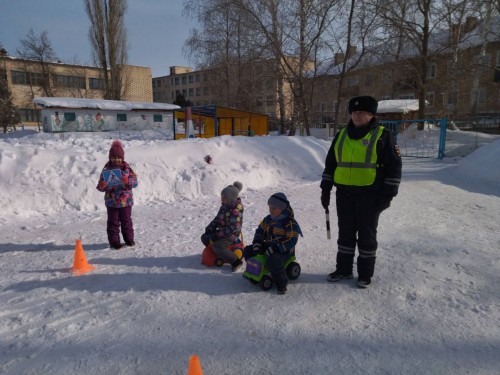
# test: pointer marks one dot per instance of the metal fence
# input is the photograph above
(419, 138)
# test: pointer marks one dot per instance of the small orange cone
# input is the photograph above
(194, 366)
(80, 265)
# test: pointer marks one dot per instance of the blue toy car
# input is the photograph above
(259, 274)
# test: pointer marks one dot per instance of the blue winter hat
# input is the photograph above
(278, 200)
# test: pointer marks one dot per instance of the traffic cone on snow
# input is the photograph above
(194, 366)
(80, 265)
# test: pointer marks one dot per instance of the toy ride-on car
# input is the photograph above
(208, 257)
(259, 274)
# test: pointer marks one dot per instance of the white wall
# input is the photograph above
(92, 120)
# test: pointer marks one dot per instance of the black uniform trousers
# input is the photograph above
(357, 216)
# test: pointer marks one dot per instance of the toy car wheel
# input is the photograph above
(219, 262)
(266, 282)
(293, 270)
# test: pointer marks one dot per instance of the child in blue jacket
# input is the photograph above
(276, 236)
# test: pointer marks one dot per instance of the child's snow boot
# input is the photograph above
(235, 266)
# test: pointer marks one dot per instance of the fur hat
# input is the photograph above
(278, 200)
(231, 192)
(363, 103)
(116, 150)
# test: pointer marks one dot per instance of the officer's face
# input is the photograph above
(361, 118)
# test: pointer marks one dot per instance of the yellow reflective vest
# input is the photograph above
(356, 158)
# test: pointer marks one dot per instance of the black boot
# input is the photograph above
(235, 266)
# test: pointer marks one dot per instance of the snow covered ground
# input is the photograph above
(434, 307)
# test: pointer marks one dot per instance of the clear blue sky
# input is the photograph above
(156, 30)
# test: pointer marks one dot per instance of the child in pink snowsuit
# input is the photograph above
(117, 180)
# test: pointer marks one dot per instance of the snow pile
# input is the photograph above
(65, 171)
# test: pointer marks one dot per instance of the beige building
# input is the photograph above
(27, 79)
(250, 87)
(465, 88)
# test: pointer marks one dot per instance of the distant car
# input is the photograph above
(259, 274)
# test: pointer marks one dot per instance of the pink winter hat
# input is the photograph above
(116, 150)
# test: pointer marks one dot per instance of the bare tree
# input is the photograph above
(227, 45)
(108, 38)
(415, 22)
(293, 31)
(8, 113)
(38, 55)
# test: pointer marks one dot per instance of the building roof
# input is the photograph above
(486, 31)
(397, 106)
(113, 105)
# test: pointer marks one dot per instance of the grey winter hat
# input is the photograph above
(231, 192)
(278, 200)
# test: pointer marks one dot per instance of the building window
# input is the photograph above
(497, 74)
(19, 78)
(197, 77)
(183, 79)
(259, 102)
(431, 71)
(69, 116)
(177, 81)
(96, 84)
(198, 91)
(406, 96)
(452, 99)
(25, 78)
(157, 118)
(483, 60)
(270, 100)
(479, 96)
(27, 115)
(352, 81)
(369, 79)
(191, 92)
(190, 79)
(429, 98)
(72, 82)
(205, 91)
(121, 117)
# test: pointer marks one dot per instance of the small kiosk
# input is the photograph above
(212, 121)
(99, 115)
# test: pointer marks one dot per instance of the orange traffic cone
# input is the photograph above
(80, 265)
(194, 366)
